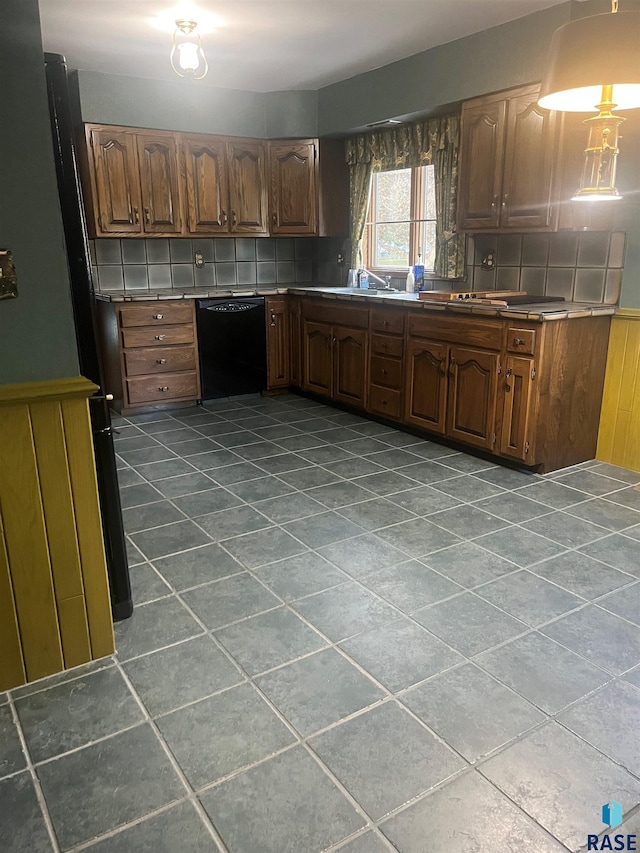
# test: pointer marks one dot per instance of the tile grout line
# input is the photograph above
(35, 781)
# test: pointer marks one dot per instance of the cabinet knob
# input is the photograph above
(223, 217)
(163, 387)
(234, 219)
(274, 217)
(161, 360)
(147, 216)
(518, 342)
(509, 372)
(136, 215)
(274, 320)
(383, 371)
(158, 316)
(160, 337)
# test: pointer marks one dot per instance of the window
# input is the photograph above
(401, 220)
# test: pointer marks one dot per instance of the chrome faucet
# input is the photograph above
(385, 282)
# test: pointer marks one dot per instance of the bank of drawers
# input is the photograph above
(386, 363)
(159, 352)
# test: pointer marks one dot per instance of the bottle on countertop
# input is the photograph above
(364, 280)
(418, 274)
(410, 281)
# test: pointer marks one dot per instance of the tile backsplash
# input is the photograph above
(582, 266)
(169, 263)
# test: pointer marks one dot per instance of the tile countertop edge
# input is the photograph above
(572, 310)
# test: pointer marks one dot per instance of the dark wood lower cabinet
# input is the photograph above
(516, 433)
(426, 385)
(317, 375)
(349, 365)
(472, 396)
(278, 343)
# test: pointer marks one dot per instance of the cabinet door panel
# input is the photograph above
(472, 396)
(483, 129)
(349, 362)
(516, 416)
(247, 187)
(278, 369)
(317, 358)
(116, 182)
(158, 162)
(426, 385)
(293, 187)
(529, 159)
(207, 185)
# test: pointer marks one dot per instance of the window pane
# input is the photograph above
(394, 195)
(427, 244)
(429, 195)
(392, 245)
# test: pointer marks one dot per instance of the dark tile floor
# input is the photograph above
(346, 638)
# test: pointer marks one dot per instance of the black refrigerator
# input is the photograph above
(84, 314)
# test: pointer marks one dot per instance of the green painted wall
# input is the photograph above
(195, 107)
(37, 338)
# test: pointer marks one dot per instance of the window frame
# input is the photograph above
(418, 179)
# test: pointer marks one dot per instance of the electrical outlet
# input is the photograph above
(488, 262)
(199, 260)
(340, 259)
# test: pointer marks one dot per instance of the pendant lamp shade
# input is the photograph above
(587, 54)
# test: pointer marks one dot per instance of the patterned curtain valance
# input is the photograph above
(404, 146)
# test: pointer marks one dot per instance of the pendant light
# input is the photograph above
(187, 57)
(594, 64)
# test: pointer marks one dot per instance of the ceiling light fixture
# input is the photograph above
(187, 57)
(593, 65)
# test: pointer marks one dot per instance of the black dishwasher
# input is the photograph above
(232, 343)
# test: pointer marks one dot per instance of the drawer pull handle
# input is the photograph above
(160, 337)
(163, 387)
(273, 320)
(519, 342)
(384, 372)
(161, 360)
(158, 316)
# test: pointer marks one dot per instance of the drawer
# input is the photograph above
(386, 345)
(164, 387)
(158, 336)
(521, 340)
(155, 313)
(389, 322)
(315, 311)
(457, 330)
(159, 360)
(385, 402)
(386, 372)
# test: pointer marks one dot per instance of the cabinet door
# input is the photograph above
(247, 187)
(517, 412)
(530, 150)
(207, 185)
(293, 200)
(278, 370)
(481, 165)
(349, 365)
(117, 185)
(426, 384)
(317, 363)
(158, 163)
(472, 396)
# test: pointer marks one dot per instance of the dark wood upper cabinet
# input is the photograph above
(160, 193)
(509, 149)
(247, 187)
(115, 185)
(481, 165)
(132, 181)
(293, 200)
(308, 187)
(207, 184)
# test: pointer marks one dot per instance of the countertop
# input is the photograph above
(532, 311)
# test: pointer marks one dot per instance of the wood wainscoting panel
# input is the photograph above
(54, 597)
(619, 436)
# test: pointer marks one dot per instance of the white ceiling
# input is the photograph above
(267, 45)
